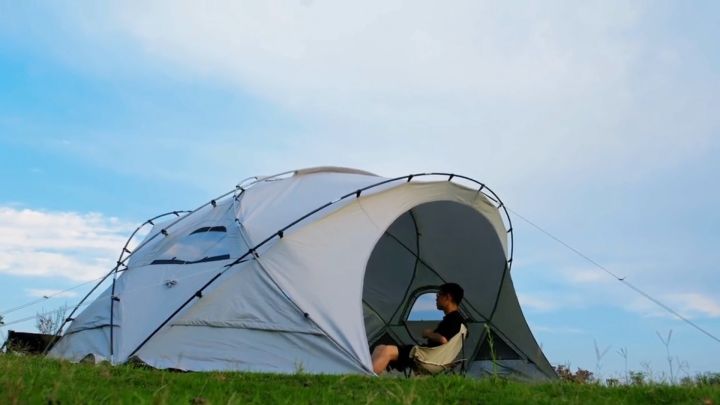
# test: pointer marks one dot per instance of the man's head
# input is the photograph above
(449, 296)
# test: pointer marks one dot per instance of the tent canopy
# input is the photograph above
(308, 270)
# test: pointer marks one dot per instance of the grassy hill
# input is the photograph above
(26, 379)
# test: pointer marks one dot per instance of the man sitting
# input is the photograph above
(447, 300)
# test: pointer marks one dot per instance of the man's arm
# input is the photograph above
(434, 337)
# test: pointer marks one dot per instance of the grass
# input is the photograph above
(26, 379)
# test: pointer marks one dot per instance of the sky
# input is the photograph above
(596, 121)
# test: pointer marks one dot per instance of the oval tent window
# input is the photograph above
(424, 309)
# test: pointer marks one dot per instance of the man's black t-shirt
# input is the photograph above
(449, 326)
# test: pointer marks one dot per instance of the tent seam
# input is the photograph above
(246, 238)
(417, 260)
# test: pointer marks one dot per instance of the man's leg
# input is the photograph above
(382, 356)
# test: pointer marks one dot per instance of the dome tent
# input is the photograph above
(308, 270)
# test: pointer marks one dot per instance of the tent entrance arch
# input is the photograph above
(428, 245)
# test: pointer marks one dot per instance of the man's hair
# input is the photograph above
(454, 291)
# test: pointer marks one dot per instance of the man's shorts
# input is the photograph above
(403, 360)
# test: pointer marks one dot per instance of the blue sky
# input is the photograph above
(597, 121)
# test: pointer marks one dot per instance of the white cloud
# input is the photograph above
(585, 275)
(425, 302)
(579, 287)
(506, 91)
(562, 330)
(59, 244)
(692, 305)
(696, 303)
(539, 303)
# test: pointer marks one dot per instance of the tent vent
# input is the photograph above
(209, 229)
(203, 260)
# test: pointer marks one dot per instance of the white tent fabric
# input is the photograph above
(286, 274)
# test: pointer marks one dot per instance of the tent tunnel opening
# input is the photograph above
(428, 245)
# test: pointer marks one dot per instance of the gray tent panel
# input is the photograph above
(510, 323)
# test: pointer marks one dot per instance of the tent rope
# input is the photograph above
(28, 318)
(622, 280)
(47, 297)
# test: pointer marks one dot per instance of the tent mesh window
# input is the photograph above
(201, 245)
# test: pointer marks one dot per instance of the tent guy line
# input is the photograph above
(28, 318)
(623, 280)
(46, 297)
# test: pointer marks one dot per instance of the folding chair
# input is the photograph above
(440, 359)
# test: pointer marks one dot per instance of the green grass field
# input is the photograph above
(33, 380)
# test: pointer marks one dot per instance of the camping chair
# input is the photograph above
(439, 359)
